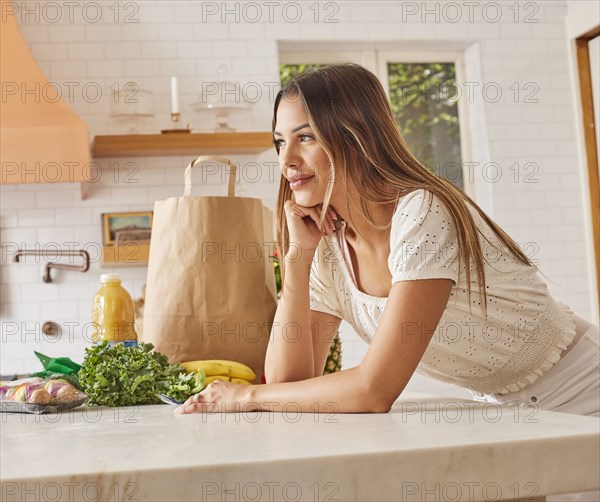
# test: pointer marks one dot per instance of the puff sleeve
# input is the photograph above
(423, 242)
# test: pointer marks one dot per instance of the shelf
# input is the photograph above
(129, 254)
(143, 145)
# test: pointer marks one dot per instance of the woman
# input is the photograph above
(369, 235)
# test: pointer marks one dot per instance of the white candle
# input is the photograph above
(174, 95)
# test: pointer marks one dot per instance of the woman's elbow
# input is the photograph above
(380, 399)
(382, 407)
(378, 403)
(370, 404)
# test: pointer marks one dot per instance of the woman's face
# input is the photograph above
(301, 157)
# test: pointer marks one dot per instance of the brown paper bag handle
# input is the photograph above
(187, 175)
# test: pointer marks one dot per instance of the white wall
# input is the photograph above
(573, 5)
(172, 39)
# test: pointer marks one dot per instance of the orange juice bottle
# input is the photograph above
(113, 317)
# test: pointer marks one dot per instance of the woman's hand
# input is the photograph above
(218, 397)
(303, 225)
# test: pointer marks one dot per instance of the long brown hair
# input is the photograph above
(351, 116)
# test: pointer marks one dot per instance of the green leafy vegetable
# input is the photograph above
(125, 376)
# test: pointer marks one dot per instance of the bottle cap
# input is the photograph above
(110, 278)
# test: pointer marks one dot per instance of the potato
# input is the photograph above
(66, 394)
(40, 396)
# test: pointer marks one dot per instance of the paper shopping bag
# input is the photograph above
(210, 290)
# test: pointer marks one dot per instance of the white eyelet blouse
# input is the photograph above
(525, 331)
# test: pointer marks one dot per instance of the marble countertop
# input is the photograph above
(427, 446)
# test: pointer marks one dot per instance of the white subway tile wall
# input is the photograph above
(529, 133)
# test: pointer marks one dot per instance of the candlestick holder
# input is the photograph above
(176, 129)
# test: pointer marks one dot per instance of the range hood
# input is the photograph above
(41, 139)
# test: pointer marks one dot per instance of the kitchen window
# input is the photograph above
(423, 90)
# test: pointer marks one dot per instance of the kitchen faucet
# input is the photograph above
(60, 252)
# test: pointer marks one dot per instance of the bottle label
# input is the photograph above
(127, 343)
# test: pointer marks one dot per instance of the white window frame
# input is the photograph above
(376, 61)
(363, 58)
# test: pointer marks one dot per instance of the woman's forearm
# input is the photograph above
(290, 352)
(341, 392)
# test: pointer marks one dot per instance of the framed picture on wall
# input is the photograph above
(119, 228)
(126, 238)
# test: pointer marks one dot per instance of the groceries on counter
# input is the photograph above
(120, 375)
(219, 369)
(113, 313)
(36, 395)
(115, 374)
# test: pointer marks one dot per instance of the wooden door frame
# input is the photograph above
(589, 133)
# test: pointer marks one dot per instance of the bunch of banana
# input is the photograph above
(219, 369)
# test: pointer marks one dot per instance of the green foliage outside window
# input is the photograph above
(423, 100)
(288, 71)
